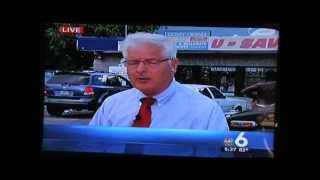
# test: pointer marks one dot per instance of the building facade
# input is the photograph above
(229, 62)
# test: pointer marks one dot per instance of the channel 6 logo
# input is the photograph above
(241, 141)
(238, 145)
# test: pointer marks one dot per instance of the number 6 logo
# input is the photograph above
(241, 141)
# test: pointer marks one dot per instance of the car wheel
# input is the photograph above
(55, 111)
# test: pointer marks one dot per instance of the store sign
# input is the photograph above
(71, 30)
(189, 40)
(254, 69)
(227, 69)
(244, 43)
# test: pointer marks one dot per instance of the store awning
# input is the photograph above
(98, 44)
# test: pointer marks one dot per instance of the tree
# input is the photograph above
(61, 52)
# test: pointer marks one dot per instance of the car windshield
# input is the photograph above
(74, 79)
(105, 80)
(205, 92)
(99, 79)
(48, 75)
(216, 93)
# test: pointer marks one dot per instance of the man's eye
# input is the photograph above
(152, 62)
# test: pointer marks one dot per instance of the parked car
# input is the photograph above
(81, 90)
(257, 119)
(48, 74)
(262, 116)
(229, 105)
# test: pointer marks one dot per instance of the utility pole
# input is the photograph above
(126, 30)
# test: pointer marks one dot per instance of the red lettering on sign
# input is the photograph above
(273, 43)
(260, 43)
(246, 43)
(217, 43)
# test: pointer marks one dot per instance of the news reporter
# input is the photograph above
(157, 99)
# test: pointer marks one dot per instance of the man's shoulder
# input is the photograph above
(121, 96)
(193, 96)
(124, 94)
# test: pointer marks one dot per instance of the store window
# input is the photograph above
(188, 74)
(224, 79)
(221, 77)
(254, 75)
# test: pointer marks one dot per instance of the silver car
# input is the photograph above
(227, 104)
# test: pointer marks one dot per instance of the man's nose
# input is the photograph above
(141, 67)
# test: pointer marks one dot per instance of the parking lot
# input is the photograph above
(69, 118)
(83, 117)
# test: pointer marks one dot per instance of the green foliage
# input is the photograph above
(61, 52)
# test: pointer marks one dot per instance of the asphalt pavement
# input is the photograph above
(69, 117)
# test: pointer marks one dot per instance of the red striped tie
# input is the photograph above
(143, 119)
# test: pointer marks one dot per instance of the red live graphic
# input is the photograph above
(71, 30)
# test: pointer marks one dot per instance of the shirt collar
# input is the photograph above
(164, 95)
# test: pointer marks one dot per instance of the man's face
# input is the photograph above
(151, 80)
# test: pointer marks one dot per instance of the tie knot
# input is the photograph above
(148, 100)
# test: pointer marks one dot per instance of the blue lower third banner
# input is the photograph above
(151, 141)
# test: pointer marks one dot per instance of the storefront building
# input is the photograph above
(228, 62)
